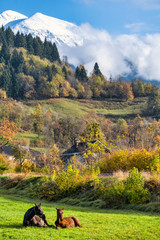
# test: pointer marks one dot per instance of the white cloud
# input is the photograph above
(144, 4)
(148, 4)
(136, 27)
(111, 53)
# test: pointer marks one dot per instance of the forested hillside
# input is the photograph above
(32, 69)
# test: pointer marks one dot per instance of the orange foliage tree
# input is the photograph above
(7, 132)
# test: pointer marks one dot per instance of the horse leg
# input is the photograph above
(77, 222)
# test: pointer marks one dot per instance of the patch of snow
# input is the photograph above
(9, 16)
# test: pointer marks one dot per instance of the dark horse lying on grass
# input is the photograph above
(35, 217)
(66, 222)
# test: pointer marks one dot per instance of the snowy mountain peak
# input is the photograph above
(9, 16)
(53, 29)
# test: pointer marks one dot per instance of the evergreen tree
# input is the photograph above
(6, 80)
(49, 73)
(38, 46)
(77, 73)
(64, 70)
(15, 87)
(5, 53)
(29, 43)
(47, 50)
(96, 70)
(2, 35)
(55, 54)
(54, 70)
(9, 37)
(20, 40)
(17, 61)
(83, 75)
(153, 105)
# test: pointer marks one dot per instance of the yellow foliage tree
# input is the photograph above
(7, 132)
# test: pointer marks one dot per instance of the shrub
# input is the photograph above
(3, 164)
(155, 164)
(115, 193)
(125, 160)
(134, 188)
(140, 158)
(65, 182)
(117, 161)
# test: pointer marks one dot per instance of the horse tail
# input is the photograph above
(76, 221)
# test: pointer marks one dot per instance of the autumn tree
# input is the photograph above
(3, 94)
(94, 153)
(53, 161)
(7, 132)
(37, 117)
(127, 92)
(92, 131)
(20, 154)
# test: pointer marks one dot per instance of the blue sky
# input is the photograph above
(115, 16)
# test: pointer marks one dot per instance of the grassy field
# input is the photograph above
(96, 224)
(79, 108)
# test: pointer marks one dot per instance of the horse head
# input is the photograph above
(60, 213)
(38, 210)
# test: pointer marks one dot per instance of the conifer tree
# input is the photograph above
(77, 73)
(83, 75)
(96, 70)
(47, 49)
(9, 37)
(15, 87)
(29, 43)
(54, 69)
(153, 105)
(17, 61)
(49, 73)
(5, 53)
(38, 46)
(2, 35)
(65, 72)
(20, 40)
(55, 53)
(5, 80)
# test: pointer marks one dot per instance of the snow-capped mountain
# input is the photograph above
(9, 16)
(55, 30)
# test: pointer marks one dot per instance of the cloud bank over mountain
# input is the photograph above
(87, 45)
(111, 53)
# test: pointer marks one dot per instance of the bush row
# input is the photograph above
(125, 160)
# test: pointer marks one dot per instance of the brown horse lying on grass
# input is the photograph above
(35, 217)
(66, 222)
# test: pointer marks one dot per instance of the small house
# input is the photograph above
(78, 150)
(8, 151)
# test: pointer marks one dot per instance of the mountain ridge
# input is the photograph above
(43, 26)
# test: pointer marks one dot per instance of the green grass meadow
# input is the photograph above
(79, 108)
(96, 224)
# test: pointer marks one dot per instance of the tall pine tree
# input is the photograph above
(96, 70)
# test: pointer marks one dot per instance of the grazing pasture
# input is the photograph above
(96, 224)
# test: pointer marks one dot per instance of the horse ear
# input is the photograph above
(56, 208)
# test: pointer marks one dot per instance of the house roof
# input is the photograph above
(9, 151)
(80, 148)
